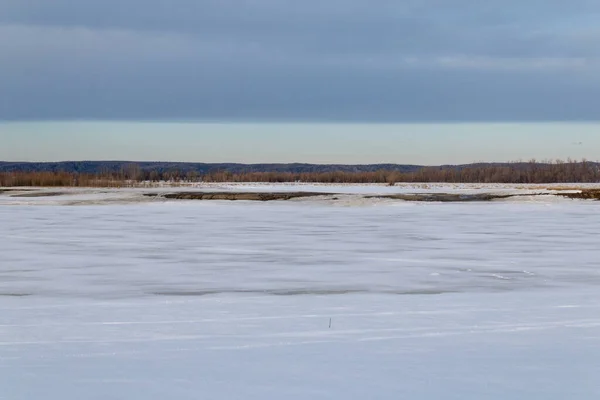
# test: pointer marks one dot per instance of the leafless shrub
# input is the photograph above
(531, 172)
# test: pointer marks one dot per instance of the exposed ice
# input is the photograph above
(143, 299)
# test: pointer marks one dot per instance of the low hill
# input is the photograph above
(97, 167)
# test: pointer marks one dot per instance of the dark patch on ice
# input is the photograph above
(15, 294)
(40, 194)
(19, 270)
(186, 293)
(413, 292)
(417, 197)
(300, 292)
(232, 196)
(316, 292)
(273, 292)
(449, 197)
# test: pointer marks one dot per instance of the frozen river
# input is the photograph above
(300, 300)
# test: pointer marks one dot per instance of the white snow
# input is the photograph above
(233, 300)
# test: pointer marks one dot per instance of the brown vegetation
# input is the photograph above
(518, 173)
(586, 194)
(60, 179)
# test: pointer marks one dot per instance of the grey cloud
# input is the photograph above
(341, 26)
(275, 59)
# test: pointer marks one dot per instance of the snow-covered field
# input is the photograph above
(299, 299)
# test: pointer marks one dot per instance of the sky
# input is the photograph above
(288, 62)
(334, 143)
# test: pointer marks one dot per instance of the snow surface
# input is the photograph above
(353, 195)
(234, 300)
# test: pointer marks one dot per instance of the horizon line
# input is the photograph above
(299, 121)
(532, 160)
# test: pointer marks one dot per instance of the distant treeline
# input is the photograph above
(132, 175)
(102, 167)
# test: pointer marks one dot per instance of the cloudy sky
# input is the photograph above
(367, 61)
